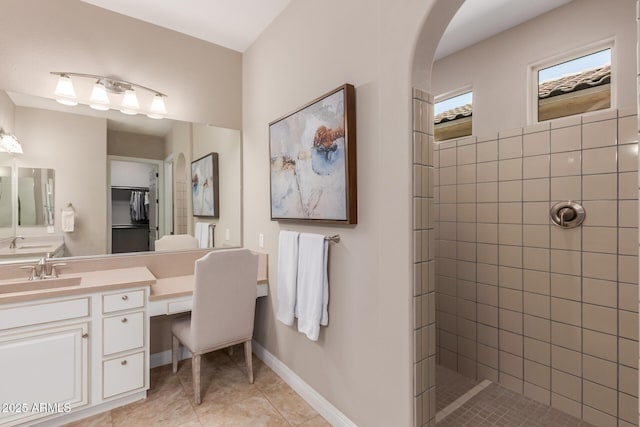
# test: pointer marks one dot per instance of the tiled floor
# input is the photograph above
(227, 398)
(494, 406)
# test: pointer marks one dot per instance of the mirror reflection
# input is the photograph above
(35, 197)
(6, 215)
(67, 161)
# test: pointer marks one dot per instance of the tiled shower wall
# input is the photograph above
(424, 328)
(548, 312)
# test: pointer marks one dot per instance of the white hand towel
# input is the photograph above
(287, 275)
(202, 234)
(313, 285)
(68, 220)
(197, 232)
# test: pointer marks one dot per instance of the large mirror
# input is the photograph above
(66, 163)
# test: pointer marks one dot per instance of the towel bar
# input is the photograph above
(333, 239)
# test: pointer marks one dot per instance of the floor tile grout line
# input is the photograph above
(461, 400)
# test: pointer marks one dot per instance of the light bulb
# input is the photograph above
(99, 99)
(158, 109)
(130, 103)
(65, 93)
(10, 144)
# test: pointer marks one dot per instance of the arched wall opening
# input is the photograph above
(424, 298)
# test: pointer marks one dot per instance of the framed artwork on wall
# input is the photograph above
(204, 186)
(313, 161)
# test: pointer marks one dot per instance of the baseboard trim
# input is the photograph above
(312, 397)
(164, 357)
(90, 411)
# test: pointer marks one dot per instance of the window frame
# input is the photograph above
(566, 56)
(452, 94)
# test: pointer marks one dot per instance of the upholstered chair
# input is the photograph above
(175, 242)
(224, 301)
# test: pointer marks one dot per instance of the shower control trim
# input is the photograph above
(567, 214)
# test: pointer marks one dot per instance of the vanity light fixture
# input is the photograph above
(103, 87)
(9, 143)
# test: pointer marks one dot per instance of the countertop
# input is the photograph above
(31, 249)
(93, 281)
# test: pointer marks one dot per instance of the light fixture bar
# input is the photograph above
(116, 82)
(99, 99)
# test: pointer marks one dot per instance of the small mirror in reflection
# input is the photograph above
(5, 197)
(35, 197)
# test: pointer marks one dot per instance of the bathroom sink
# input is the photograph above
(34, 246)
(8, 286)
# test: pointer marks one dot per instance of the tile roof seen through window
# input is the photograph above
(559, 86)
(574, 82)
(453, 114)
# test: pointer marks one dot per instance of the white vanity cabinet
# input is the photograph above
(44, 357)
(69, 357)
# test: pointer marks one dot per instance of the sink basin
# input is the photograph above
(37, 284)
(33, 246)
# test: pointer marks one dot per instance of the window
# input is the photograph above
(453, 117)
(575, 86)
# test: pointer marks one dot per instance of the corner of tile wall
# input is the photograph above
(425, 156)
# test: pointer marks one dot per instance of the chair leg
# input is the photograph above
(195, 361)
(175, 353)
(249, 360)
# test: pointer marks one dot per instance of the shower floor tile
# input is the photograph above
(450, 385)
(496, 406)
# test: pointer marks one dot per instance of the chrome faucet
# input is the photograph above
(12, 245)
(43, 270)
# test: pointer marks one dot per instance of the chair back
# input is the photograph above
(224, 298)
(176, 242)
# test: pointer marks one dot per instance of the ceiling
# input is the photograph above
(477, 20)
(236, 24)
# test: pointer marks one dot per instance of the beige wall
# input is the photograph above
(203, 81)
(76, 148)
(128, 144)
(7, 112)
(362, 361)
(497, 67)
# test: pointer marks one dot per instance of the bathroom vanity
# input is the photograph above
(74, 347)
(79, 344)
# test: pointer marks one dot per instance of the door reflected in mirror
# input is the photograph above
(35, 197)
(6, 213)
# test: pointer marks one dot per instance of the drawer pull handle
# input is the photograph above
(123, 363)
(125, 297)
(124, 320)
(85, 335)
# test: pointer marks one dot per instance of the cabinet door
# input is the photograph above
(43, 372)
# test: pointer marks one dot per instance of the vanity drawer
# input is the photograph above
(122, 374)
(122, 301)
(121, 333)
(35, 314)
